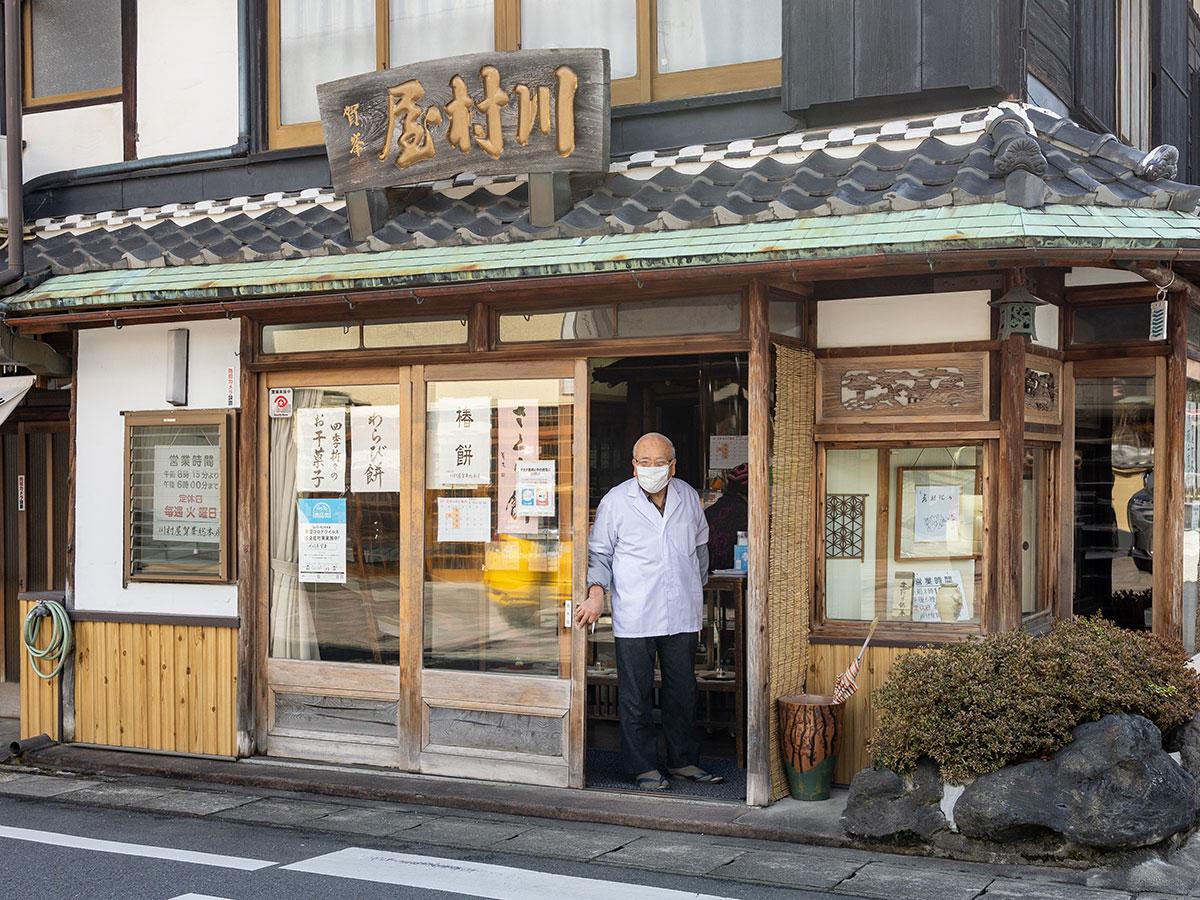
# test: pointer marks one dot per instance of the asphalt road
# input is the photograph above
(51, 850)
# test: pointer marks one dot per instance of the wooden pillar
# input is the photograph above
(67, 700)
(247, 477)
(1170, 405)
(758, 697)
(1003, 609)
(1064, 595)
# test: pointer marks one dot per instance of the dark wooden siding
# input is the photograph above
(1050, 45)
(897, 48)
(1191, 155)
(1169, 106)
(1096, 63)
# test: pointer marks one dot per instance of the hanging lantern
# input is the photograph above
(1017, 306)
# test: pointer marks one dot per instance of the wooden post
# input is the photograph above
(247, 546)
(758, 697)
(1170, 406)
(1003, 604)
(67, 700)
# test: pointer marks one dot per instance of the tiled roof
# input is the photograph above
(920, 231)
(1012, 153)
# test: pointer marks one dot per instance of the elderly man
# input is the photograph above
(649, 547)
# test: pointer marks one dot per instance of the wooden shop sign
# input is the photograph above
(487, 113)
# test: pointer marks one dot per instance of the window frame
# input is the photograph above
(645, 86)
(1049, 535)
(226, 422)
(894, 632)
(30, 103)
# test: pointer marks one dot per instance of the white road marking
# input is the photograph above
(149, 851)
(198, 897)
(456, 876)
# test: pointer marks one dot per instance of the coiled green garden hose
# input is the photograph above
(60, 637)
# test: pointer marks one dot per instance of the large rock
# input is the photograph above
(885, 805)
(1113, 787)
(1185, 740)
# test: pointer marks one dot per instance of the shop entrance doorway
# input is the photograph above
(424, 540)
(700, 403)
(1114, 466)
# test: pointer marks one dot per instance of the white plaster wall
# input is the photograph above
(910, 319)
(187, 75)
(62, 139)
(1045, 324)
(123, 370)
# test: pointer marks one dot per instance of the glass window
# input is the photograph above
(920, 561)
(415, 333)
(691, 315)
(335, 526)
(560, 325)
(1193, 326)
(1110, 323)
(177, 519)
(785, 318)
(1191, 516)
(1036, 518)
(320, 41)
(611, 24)
(310, 337)
(74, 49)
(1114, 499)
(498, 526)
(436, 29)
(701, 34)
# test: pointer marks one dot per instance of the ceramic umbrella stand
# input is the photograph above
(810, 731)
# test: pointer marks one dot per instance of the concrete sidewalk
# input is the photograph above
(840, 871)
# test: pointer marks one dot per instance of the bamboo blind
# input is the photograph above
(789, 588)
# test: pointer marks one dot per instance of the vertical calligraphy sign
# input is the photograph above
(321, 449)
(374, 449)
(518, 442)
(461, 452)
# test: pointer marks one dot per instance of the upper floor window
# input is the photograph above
(658, 49)
(1133, 72)
(72, 51)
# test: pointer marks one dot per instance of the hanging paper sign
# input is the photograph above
(187, 494)
(938, 509)
(518, 427)
(728, 451)
(321, 535)
(321, 449)
(939, 597)
(535, 488)
(462, 443)
(464, 519)
(374, 449)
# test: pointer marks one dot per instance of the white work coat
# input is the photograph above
(651, 562)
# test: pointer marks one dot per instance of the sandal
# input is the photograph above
(652, 781)
(697, 776)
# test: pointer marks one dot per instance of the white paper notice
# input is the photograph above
(937, 508)
(926, 588)
(187, 494)
(518, 426)
(321, 449)
(535, 488)
(374, 449)
(461, 448)
(728, 451)
(322, 540)
(465, 519)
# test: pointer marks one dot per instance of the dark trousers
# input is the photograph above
(635, 689)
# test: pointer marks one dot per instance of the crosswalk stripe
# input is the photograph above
(144, 850)
(456, 876)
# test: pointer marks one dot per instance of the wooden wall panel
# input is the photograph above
(39, 698)
(156, 687)
(826, 662)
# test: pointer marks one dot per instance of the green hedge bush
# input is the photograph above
(989, 702)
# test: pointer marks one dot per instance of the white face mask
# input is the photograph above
(653, 479)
